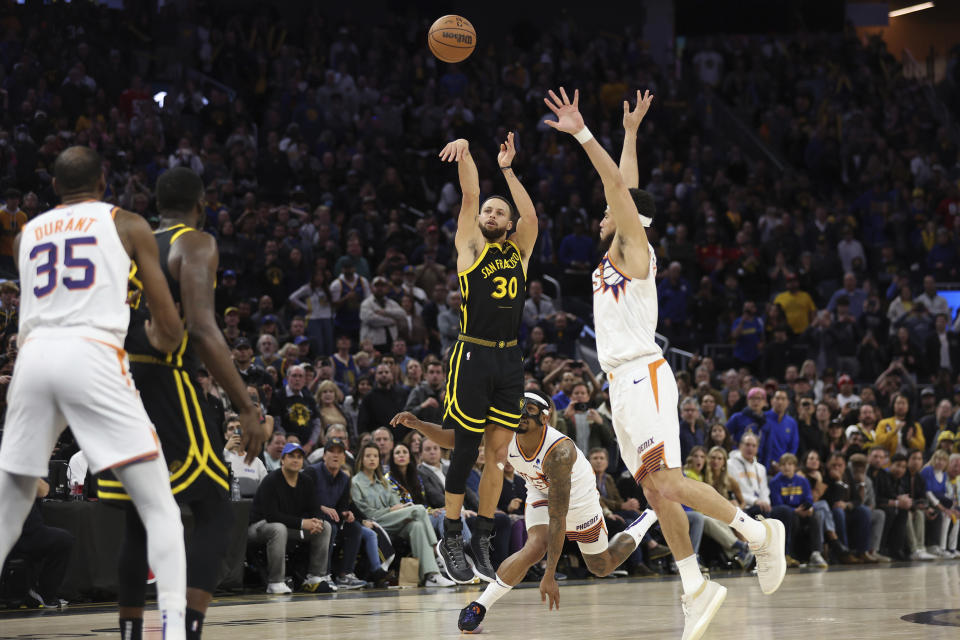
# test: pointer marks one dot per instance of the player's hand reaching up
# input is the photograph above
(507, 152)
(455, 151)
(632, 119)
(568, 115)
(406, 419)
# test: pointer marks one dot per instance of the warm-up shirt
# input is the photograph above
(779, 436)
(792, 492)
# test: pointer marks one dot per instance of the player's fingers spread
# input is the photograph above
(552, 101)
(576, 97)
(551, 123)
(563, 92)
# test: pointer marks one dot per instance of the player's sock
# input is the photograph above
(194, 624)
(690, 574)
(639, 527)
(751, 528)
(494, 591)
(131, 628)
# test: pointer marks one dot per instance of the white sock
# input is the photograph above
(690, 574)
(494, 591)
(639, 527)
(751, 528)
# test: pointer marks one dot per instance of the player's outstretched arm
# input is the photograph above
(198, 271)
(631, 125)
(164, 329)
(622, 208)
(443, 437)
(527, 227)
(468, 233)
(558, 468)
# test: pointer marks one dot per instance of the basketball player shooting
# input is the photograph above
(562, 502)
(484, 388)
(74, 261)
(643, 392)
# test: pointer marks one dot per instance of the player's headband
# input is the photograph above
(531, 400)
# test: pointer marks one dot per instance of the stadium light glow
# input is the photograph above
(911, 9)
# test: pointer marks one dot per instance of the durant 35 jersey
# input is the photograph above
(73, 271)
(625, 314)
(493, 293)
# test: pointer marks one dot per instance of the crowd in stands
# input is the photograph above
(831, 400)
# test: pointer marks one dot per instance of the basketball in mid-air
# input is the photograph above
(452, 38)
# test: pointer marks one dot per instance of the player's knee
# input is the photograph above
(597, 565)
(535, 548)
(670, 487)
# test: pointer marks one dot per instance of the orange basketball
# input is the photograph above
(452, 38)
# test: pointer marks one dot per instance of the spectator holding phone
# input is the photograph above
(899, 433)
(586, 426)
(248, 476)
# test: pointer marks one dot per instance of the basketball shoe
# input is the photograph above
(700, 607)
(771, 556)
(470, 617)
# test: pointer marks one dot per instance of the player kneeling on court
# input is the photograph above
(562, 501)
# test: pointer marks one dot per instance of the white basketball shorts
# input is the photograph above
(61, 379)
(643, 399)
(585, 524)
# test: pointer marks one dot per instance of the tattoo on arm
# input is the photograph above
(558, 468)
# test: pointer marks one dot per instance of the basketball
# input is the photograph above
(452, 38)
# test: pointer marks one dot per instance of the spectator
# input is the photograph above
(793, 491)
(673, 298)
(329, 400)
(899, 433)
(912, 485)
(942, 348)
(586, 426)
(333, 495)
(243, 358)
(380, 317)
(935, 480)
(714, 473)
(426, 399)
(538, 307)
(298, 410)
(383, 402)
(933, 301)
(12, 220)
(347, 293)
(617, 511)
(9, 308)
(850, 249)
(720, 437)
(797, 305)
(900, 307)
(285, 504)
(267, 348)
(313, 299)
(940, 422)
(751, 476)
(862, 493)
(846, 396)
(838, 495)
(856, 298)
(372, 495)
(692, 427)
(751, 419)
(562, 397)
(448, 321)
(747, 334)
(248, 476)
(273, 451)
(810, 432)
(896, 505)
(48, 550)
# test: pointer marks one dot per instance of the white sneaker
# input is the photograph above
(437, 580)
(922, 555)
(278, 588)
(700, 607)
(771, 556)
(816, 560)
(937, 551)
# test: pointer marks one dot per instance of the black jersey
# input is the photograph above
(493, 293)
(137, 345)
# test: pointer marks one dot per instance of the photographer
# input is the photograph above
(247, 475)
(586, 426)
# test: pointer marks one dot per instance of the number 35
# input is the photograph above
(504, 288)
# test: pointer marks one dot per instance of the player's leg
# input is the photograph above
(603, 561)
(212, 520)
(495, 443)
(133, 576)
(510, 573)
(33, 424)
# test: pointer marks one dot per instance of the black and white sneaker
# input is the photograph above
(450, 549)
(483, 567)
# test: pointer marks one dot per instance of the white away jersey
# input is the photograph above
(73, 271)
(625, 314)
(583, 488)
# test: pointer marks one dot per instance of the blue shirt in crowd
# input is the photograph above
(672, 300)
(778, 437)
(792, 492)
(747, 346)
(744, 421)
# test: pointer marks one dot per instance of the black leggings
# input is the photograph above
(205, 549)
(466, 449)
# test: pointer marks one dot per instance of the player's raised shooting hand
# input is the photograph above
(632, 119)
(568, 115)
(455, 151)
(550, 589)
(507, 152)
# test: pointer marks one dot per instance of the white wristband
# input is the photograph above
(583, 136)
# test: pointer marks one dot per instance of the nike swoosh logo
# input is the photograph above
(640, 380)
(513, 456)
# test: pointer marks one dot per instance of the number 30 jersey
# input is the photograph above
(73, 271)
(493, 291)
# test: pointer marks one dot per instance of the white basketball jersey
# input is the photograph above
(625, 314)
(74, 271)
(583, 488)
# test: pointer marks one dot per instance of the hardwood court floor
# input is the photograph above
(856, 603)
